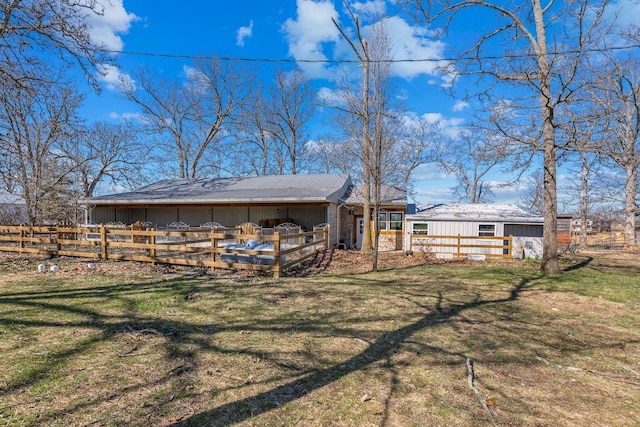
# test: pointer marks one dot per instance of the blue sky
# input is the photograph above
(172, 32)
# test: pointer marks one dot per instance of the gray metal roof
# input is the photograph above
(12, 199)
(390, 195)
(475, 212)
(255, 189)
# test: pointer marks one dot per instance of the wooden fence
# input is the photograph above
(225, 248)
(462, 246)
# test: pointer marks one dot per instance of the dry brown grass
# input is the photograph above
(132, 344)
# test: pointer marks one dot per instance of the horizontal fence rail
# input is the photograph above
(225, 248)
(462, 246)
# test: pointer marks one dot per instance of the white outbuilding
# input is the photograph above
(486, 229)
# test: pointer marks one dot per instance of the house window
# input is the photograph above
(487, 230)
(395, 221)
(391, 221)
(382, 220)
(420, 229)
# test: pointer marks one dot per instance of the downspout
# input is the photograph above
(338, 225)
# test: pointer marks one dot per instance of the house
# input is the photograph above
(393, 209)
(13, 209)
(306, 200)
(481, 222)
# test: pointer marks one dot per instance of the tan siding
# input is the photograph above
(230, 216)
(162, 216)
(130, 215)
(257, 213)
(111, 214)
(103, 215)
(194, 215)
(308, 216)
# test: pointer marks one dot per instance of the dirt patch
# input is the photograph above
(332, 262)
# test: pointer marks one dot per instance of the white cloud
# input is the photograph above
(309, 31)
(191, 73)
(114, 78)
(460, 105)
(370, 9)
(330, 96)
(105, 29)
(125, 116)
(625, 12)
(412, 46)
(243, 33)
(449, 126)
(505, 193)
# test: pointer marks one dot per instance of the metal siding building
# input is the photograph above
(306, 200)
(498, 220)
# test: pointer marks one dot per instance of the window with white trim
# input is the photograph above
(420, 228)
(486, 230)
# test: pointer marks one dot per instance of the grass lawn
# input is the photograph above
(126, 344)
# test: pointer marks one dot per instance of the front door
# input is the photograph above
(359, 232)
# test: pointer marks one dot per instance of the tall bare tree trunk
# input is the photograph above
(550, 263)
(584, 202)
(630, 206)
(366, 157)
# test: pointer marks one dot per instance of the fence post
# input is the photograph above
(152, 251)
(276, 255)
(214, 246)
(325, 236)
(459, 248)
(21, 239)
(58, 244)
(314, 239)
(103, 241)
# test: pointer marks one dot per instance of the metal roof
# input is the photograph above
(475, 212)
(11, 199)
(391, 195)
(255, 189)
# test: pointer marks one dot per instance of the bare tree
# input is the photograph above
(583, 184)
(104, 152)
(255, 152)
(526, 36)
(189, 119)
(384, 144)
(167, 109)
(329, 154)
(361, 111)
(33, 126)
(616, 94)
(291, 108)
(470, 157)
(418, 141)
(35, 31)
(384, 121)
(222, 88)
(532, 195)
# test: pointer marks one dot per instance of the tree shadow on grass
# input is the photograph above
(382, 349)
(183, 338)
(582, 264)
